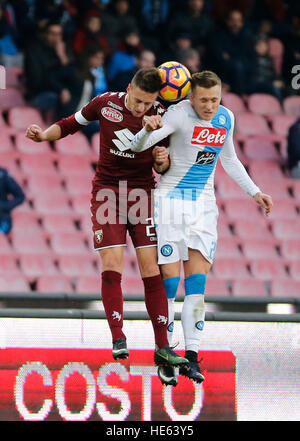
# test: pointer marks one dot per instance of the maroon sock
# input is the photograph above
(112, 299)
(157, 307)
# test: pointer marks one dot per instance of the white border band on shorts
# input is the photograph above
(110, 246)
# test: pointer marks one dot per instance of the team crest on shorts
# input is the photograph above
(166, 250)
(99, 236)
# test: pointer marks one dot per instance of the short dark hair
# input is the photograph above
(206, 79)
(147, 79)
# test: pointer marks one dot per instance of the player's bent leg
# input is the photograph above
(112, 298)
(157, 307)
(193, 311)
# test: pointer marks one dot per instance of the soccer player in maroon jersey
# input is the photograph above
(120, 115)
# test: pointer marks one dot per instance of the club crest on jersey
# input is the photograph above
(208, 136)
(111, 114)
(166, 250)
(98, 236)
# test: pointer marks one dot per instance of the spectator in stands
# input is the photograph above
(49, 68)
(193, 17)
(191, 59)
(264, 78)
(153, 17)
(11, 195)
(116, 20)
(181, 41)
(91, 33)
(293, 149)
(145, 59)
(46, 11)
(124, 59)
(9, 51)
(232, 52)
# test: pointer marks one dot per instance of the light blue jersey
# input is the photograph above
(195, 146)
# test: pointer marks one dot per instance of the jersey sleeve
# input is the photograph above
(82, 117)
(233, 166)
(143, 140)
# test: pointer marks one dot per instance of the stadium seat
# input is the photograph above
(81, 203)
(25, 221)
(249, 287)
(10, 98)
(284, 209)
(286, 229)
(34, 242)
(285, 288)
(132, 285)
(26, 145)
(45, 184)
(9, 160)
(249, 124)
(76, 144)
(85, 222)
(228, 188)
(14, 283)
(130, 267)
(260, 249)
(291, 105)
(9, 264)
(223, 228)
(33, 265)
(276, 50)
(14, 76)
(6, 144)
(78, 185)
(294, 269)
(263, 104)
(73, 265)
(264, 170)
(230, 269)
(290, 249)
(234, 102)
(295, 186)
(88, 284)
(282, 123)
(246, 229)
(37, 163)
(278, 192)
(267, 269)
(5, 245)
(47, 204)
(244, 208)
(260, 148)
(228, 247)
(59, 223)
(69, 243)
(54, 284)
(20, 117)
(216, 287)
(75, 165)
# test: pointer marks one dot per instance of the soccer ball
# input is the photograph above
(176, 80)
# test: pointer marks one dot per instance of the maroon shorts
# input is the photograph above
(116, 210)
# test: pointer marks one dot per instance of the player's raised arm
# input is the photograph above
(235, 169)
(156, 129)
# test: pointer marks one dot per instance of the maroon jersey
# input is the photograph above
(117, 162)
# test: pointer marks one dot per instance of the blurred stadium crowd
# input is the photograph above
(58, 54)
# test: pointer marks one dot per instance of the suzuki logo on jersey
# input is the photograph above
(124, 137)
(112, 114)
(205, 158)
(209, 136)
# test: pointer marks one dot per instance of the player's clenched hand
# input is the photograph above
(160, 155)
(265, 201)
(152, 122)
(35, 133)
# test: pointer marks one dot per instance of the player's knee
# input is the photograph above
(149, 269)
(111, 262)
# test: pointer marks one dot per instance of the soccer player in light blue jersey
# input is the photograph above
(185, 210)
